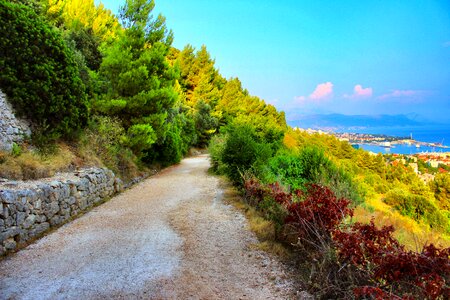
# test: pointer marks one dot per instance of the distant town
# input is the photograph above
(383, 140)
(425, 164)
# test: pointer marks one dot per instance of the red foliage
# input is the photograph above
(317, 213)
(364, 244)
(320, 209)
(254, 190)
(279, 195)
(375, 293)
(377, 251)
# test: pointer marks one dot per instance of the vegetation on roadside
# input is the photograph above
(112, 91)
(320, 193)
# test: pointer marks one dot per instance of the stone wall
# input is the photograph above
(12, 129)
(29, 209)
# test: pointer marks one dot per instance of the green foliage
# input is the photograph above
(216, 150)
(342, 184)
(188, 131)
(140, 137)
(16, 150)
(314, 162)
(441, 188)
(106, 139)
(310, 165)
(39, 73)
(244, 150)
(287, 169)
(417, 207)
(205, 124)
(88, 44)
(141, 83)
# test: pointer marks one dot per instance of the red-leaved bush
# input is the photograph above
(376, 256)
(254, 191)
(390, 265)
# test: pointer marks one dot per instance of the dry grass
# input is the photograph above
(262, 228)
(30, 164)
(408, 232)
(93, 150)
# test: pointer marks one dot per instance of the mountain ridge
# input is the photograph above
(347, 121)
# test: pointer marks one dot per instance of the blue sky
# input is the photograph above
(307, 57)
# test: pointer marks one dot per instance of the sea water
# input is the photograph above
(429, 134)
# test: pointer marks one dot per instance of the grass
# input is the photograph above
(411, 234)
(30, 164)
(262, 228)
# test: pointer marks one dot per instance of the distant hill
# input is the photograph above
(351, 121)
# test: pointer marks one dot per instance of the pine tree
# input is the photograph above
(140, 77)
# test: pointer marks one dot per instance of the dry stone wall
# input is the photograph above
(12, 129)
(29, 209)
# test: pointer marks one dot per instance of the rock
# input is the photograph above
(118, 185)
(41, 218)
(10, 221)
(20, 218)
(12, 232)
(10, 244)
(20, 206)
(71, 200)
(28, 213)
(29, 221)
(38, 204)
(38, 229)
(8, 196)
(56, 220)
(4, 213)
(55, 184)
(73, 189)
(12, 129)
(51, 209)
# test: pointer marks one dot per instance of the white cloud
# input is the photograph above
(401, 94)
(360, 92)
(322, 91)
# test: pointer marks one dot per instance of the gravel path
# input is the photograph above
(169, 237)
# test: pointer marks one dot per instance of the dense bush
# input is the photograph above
(205, 124)
(417, 207)
(441, 188)
(171, 150)
(353, 260)
(310, 165)
(288, 169)
(105, 142)
(216, 148)
(244, 150)
(39, 74)
(394, 270)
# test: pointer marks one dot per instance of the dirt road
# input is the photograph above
(169, 237)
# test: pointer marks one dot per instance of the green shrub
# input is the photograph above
(170, 151)
(38, 72)
(106, 140)
(441, 188)
(243, 151)
(287, 169)
(16, 150)
(314, 163)
(417, 207)
(311, 165)
(141, 137)
(216, 149)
